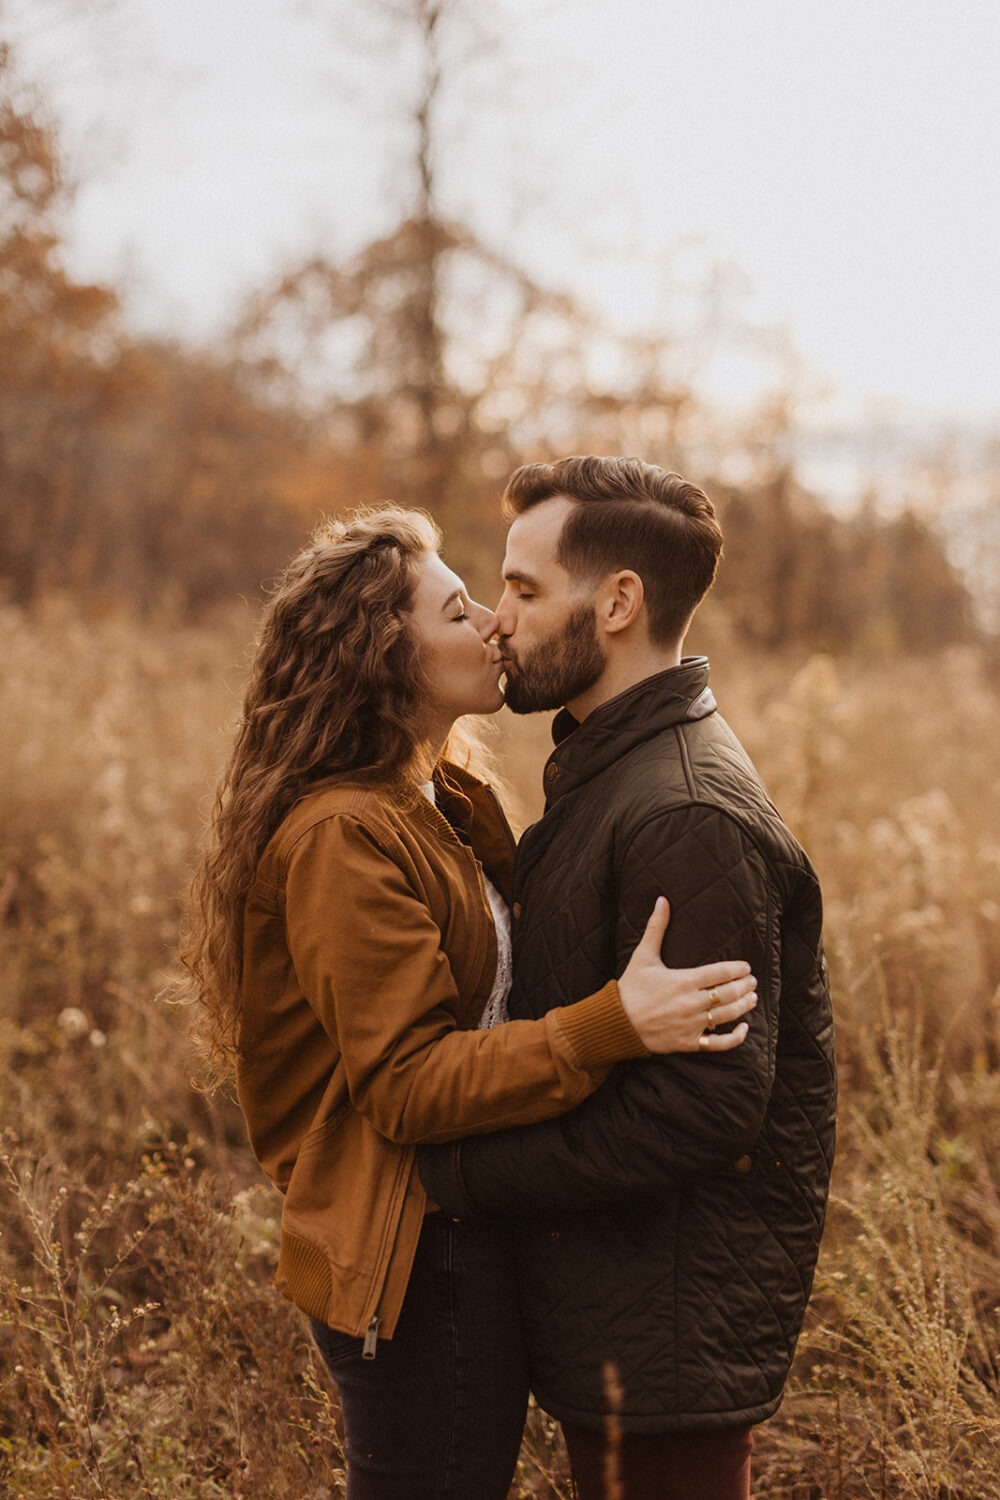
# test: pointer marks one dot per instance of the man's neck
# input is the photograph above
(623, 671)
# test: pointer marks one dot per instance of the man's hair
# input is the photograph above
(634, 515)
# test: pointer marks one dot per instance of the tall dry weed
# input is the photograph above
(889, 778)
(145, 1352)
(113, 735)
(142, 1350)
(897, 1390)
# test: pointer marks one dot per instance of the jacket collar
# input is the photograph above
(676, 696)
(474, 813)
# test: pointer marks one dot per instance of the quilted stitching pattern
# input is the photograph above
(647, 1244)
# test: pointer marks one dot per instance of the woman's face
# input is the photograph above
(458, 651)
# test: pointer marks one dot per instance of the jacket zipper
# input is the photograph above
(370, 1346)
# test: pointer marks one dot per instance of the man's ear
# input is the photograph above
(620, 601)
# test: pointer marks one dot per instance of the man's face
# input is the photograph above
(546, 623)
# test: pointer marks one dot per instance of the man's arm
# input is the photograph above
(660, 1121)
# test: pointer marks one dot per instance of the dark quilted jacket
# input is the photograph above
(672, 1222)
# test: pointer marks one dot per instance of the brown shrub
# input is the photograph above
(143, 1350)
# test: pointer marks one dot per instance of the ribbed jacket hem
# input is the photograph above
(599, 1031)
(303, 1276)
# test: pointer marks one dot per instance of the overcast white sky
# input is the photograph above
(846, 156)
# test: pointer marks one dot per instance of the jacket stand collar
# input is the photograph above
(676, 696)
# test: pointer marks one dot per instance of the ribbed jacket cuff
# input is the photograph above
(599, 1031)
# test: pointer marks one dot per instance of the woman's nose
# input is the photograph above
(486, 622)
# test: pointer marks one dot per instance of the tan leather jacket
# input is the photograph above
(369, 955)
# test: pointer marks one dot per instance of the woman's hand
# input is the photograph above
(677, 1010)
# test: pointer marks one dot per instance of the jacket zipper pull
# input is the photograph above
(370, 1347)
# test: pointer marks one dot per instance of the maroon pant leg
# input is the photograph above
(711, 1465)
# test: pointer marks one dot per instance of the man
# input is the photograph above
(667, 1229)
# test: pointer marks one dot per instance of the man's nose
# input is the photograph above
(504, 618)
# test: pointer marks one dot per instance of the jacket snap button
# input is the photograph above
(553, 1234)
(551, 772)
(742, 1164)
(516, 909)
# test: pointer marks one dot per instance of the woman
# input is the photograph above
(350, 949)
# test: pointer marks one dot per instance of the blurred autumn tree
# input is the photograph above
(52, 368)
(423, 366)
(795, 571)
(128, 470)
(435, 363)
(427, 352)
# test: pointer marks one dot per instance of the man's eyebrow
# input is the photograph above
(518, 575)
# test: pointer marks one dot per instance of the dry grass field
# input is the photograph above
(142, 1350)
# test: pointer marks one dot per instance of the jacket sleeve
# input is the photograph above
(368, 957)
(660, 1121)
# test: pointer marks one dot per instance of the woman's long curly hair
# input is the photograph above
(335, 688)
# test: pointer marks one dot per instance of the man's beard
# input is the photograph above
(560, 669)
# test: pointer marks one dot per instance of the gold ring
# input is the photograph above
(704, 1042)
(709, 1023)
(713, 1000)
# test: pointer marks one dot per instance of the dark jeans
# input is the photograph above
(438, 1413)
(711, 1465)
